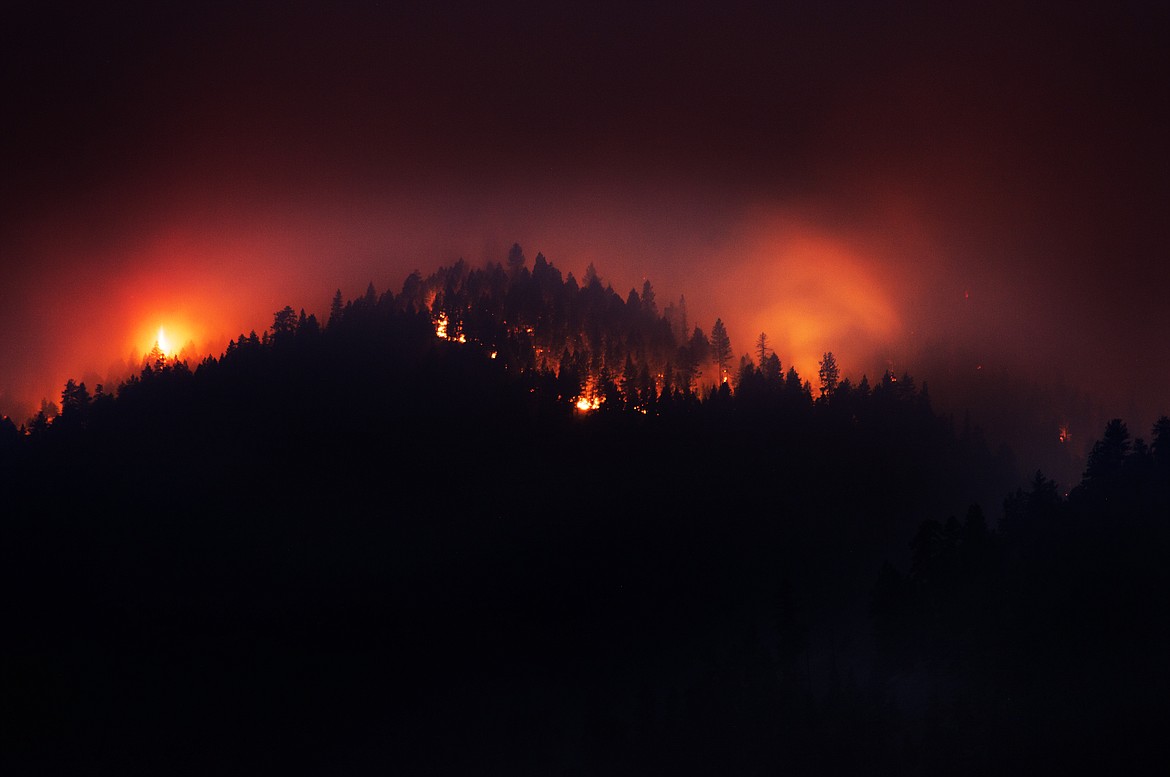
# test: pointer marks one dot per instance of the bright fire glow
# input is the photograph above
(585, 404)
(164, 344)
(810, 291)
(174, 340)
(443, 332)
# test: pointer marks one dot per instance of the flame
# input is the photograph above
(169, 340)
(164, 344)
(590, 399)
(586, 404)
(443, 330)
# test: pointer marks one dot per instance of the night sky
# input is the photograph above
(928, 188)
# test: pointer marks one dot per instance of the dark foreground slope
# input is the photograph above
(369, 550)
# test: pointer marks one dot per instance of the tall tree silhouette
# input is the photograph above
(762, 347)
(516, 259)
(284, 325)
(772, 370)
(155, 359)
(1103, 471)
(720, 350)
(648, 305)
(830, 374)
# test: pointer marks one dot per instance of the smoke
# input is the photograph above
(944, 191)
(810, 291)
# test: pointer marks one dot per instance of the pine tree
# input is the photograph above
(720, 349)
(335, 309)
(648, 299)
(830, 374)
(591, 277)
(772, 370)
(792, 382)
(284, 324)
(630, 383)
(155, 358)
(516, 259)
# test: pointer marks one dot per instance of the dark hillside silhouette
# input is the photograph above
(504, 522)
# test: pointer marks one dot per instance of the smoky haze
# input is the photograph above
(952, 193)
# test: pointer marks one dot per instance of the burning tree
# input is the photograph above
(720, 349)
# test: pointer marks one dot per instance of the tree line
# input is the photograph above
(584, 338)
(390, 541)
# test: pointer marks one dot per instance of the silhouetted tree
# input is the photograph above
(1161, 438)
(830, 374)
(74, 399)
(1103, 471)
(762, 347)
(284, 325)
(412, 291)
(38, 424)
(516, 259)
(792, 384)
(720, 350)
(746, 376)
(592, 279)
(9, 437)
(690, 359)
(647, 392)
(307, 327)
(155, 358)
(772, 371)
(630, 383)
(648, 306)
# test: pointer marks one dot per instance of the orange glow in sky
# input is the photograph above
(177, 336)
(164, 344)
(811, 292)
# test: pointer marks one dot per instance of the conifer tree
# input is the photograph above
(720, 349)
(335, 309)
(830, 374)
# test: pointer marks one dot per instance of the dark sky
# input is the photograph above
(921, 185)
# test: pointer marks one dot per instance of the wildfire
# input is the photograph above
(590, 398)
(442, 323)
(1065, 435)
(164, 343)
(165, 347)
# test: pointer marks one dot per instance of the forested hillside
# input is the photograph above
(502, 521)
